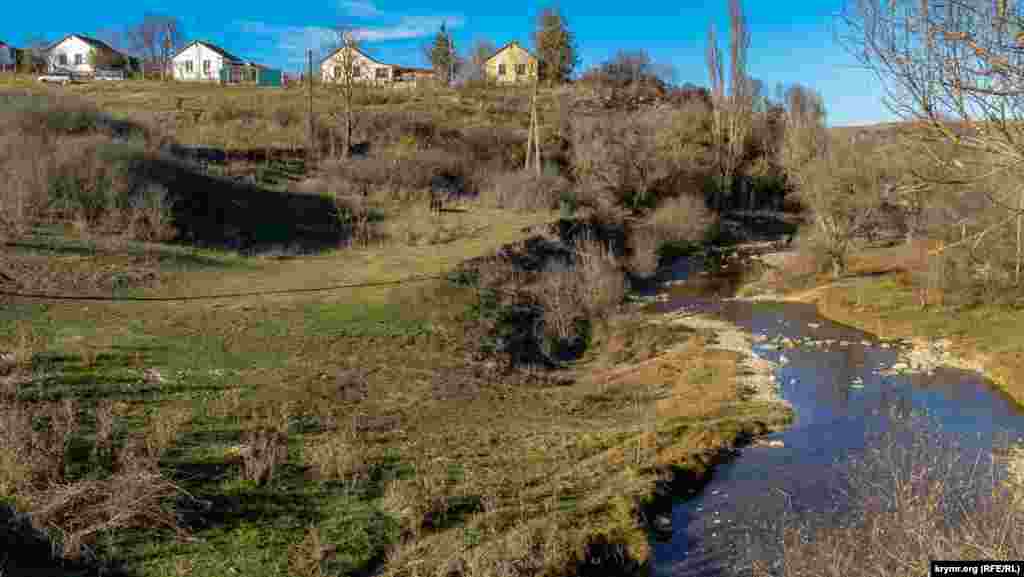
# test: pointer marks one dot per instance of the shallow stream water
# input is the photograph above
(833, 377)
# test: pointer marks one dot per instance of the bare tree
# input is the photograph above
(733, 109)
(33, 56)
(155, 39)
(482, 50)
(345, 77)
(955, 69)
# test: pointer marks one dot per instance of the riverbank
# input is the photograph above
(879, 299)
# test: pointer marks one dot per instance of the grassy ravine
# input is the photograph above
(879, 296)
(404, 449)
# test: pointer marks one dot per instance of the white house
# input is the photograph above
(8, 58)
(82, 54)
(365, 68)
(202, 61)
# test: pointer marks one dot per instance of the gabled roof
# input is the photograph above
(212, 47)
(99, 44)
(356, 48)
(506, 47)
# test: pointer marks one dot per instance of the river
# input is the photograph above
(843, 397)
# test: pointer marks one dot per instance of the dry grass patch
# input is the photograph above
(573, 466)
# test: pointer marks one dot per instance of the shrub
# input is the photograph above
(524, 190)
(574, 295)
(34, 456)
(912, 501)
(634, 158)
(675, 224)
(264, 451)
(70, 164)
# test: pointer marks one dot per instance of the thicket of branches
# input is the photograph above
(953, 70)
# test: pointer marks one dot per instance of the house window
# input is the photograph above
(188, 66)
(206, 67)
(357, 71)
(501, 70)
(382, 73)
(62, 59)
(520, 69)
(79, 59)
(337, 72)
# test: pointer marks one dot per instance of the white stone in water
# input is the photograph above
(783, 359)
(866, 343)
(813, 325)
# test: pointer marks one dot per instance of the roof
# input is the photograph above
(356, 48)
(414, 69)
(507, 46)
(88, 40)
(210, 46)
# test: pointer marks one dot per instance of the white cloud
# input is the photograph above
(293, 41)
(408, 27)
(360, 8)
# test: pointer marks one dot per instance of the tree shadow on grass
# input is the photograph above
(28, 552)
(221, 213)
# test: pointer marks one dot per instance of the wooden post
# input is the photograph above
(1020, 235)
(529, 142)
(536, 127)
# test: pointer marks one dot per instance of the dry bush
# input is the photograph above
(417, 225)
(82, 509)
(163, 428)
(149, 216)
(634, 158)
(34, 441)
(285, 116)
(912, 501)
(524, 190)
(69, 162)
(420, 501)
(306, 558)
(263, 452)
(572, 295)
(340, 455)
(494, 148)
(678, 221)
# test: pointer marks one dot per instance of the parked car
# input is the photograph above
(62, 78)
(109, 75)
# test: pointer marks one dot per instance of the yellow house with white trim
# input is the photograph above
(511, 64)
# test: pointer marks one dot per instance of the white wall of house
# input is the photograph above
(197, 63)
(368, 70)
(71, 54)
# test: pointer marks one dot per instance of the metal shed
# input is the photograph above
(268, 77)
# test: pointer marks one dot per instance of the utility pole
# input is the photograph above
(533, 140)
(309, 81)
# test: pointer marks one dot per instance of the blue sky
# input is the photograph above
(791, 40)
